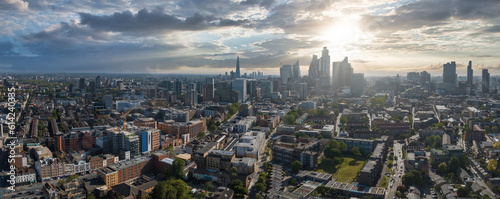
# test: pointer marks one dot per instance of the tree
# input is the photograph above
(312, 112)
(412, 132)
(496, 145)
(413, 177)
(212, 127)
(180, 186)
(201, 135)
(453, 164)
(321, 190)
(289, 119)
(178, 168)
(356, 152)
(234, 171)
(235, 183)
(494, 129)
(343, 120)
(342, 146)
(487, 129)
(61, 182)
(90, 196)
(240, 191)
(463, 191)
(72, 177)
(160, 190)
(208, 186)
(442, 168)
(261, 179)
(296, 166)
(170, 192)
(492, 165)
(464, 161)
(258, 196)
(260, 187)
(402, 188)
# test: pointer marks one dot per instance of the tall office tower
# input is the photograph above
(209, 80)
(267, 88)
(108, 101)
(252, 88)
(342, 73)
(486, 81)
(191, 98)
(286, 73)
(240, 84)
(199, 86)
(208, 92)
(209, 89)
(470, 75)
(120, 85)
(413, 77)
(450, 73)
(357, 84)
(325, 63)
(238, 67)
(314, 67)
(178, 88)
(81, 86)
(303, 91)
(70, 88)
(296, 70)
(232, 74)
(425, 77)
(98, 81)
(92, 86)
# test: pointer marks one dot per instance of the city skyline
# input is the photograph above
(183, 37)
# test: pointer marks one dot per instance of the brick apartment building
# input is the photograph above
(178, 129)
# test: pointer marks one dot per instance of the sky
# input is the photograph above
(382, 37)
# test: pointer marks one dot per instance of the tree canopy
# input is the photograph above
(296, 166)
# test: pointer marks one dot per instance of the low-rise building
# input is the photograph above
(124, 171)
(304, 175)
(366, 146)
(251, 144)
(348, 190)
(219, 160)
(244, 166)
(246, 123)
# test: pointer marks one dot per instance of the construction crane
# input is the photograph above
(124, 116)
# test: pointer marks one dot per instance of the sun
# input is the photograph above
(341, 33)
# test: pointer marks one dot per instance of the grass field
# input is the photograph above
(347, 172)
(385, 182)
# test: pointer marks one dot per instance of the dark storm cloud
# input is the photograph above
(66, 35)
(155, 20)
(492, 29)
(220, 7)
(432, 13)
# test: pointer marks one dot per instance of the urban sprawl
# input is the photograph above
(329, 133)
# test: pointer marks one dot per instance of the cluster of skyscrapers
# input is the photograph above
(450, 79)
(325, 74)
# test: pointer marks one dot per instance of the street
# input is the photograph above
(395, 179)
